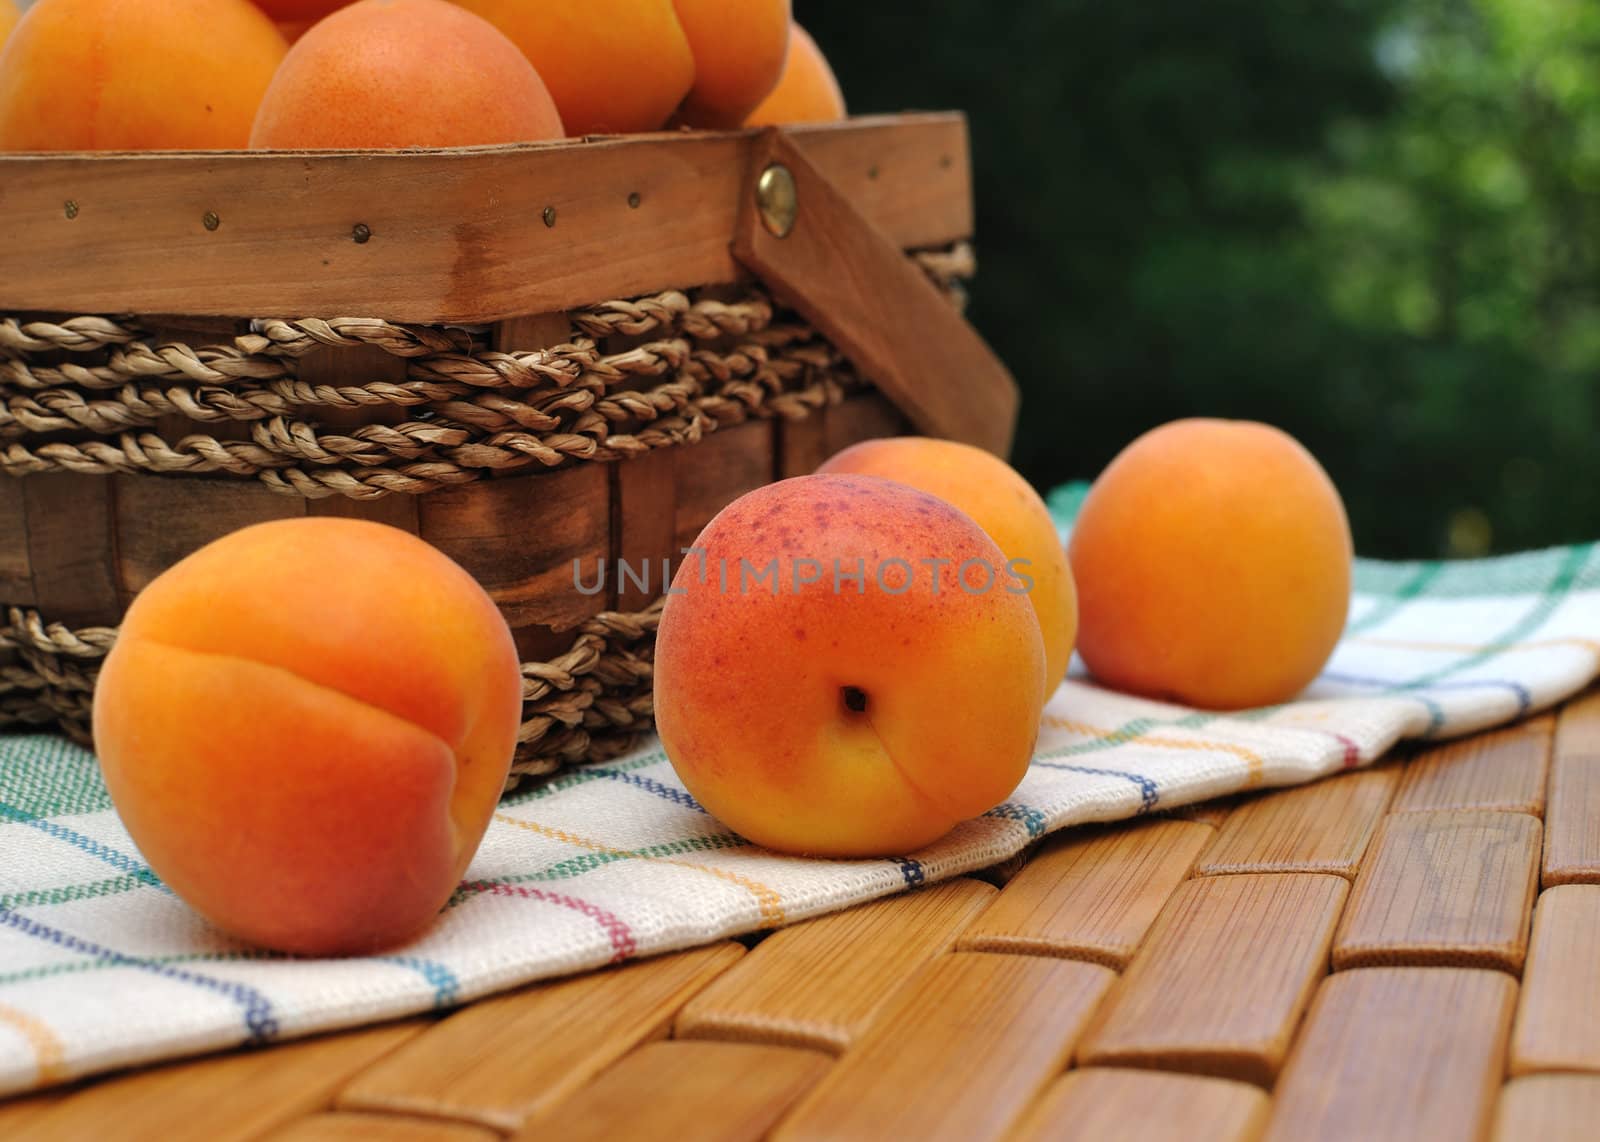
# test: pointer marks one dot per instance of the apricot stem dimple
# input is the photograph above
(855, 699)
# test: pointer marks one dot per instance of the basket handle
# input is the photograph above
(819, 256)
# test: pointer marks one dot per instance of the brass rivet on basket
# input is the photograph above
(778, 200)
(72, 208)
(210, 221)
(549, 216)
(634, 200)
(362, 233)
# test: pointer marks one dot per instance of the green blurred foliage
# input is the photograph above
(1371, 222)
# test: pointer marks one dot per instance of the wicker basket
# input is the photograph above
(685, 346)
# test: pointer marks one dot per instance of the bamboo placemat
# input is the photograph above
(1401, 952)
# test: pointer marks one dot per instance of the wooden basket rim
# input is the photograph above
(463, 236)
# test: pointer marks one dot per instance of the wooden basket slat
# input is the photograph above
(72, 554)
(455, 236)
(16, 577)
(518, 537)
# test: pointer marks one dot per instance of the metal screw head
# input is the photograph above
(549, 216)
(777, 200)
(71, 208)
(362, 233)
(211, 221)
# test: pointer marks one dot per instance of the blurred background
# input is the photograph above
(1373, 223)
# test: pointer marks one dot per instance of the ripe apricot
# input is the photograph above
(131, 75)
(404, 73)
(846, 669)
(1004, 505)
(9, 15)
(808, 91)
(1213, 562)
(306, 727)
(613, 68)
(739, 51)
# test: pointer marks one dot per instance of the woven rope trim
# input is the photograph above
(588, 704)
(469, 412)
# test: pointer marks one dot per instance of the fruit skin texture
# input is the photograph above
(9, 15)
(133, 75)
(750, 693)
(613, 68)
(739, 51)
(404, 73)
(306, 727)
(1213, 561)
(808, 92)
(1003, 504)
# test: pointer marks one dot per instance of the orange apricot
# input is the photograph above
(404, 73)
(133, 75)
(306, 726)
(808, 92)
(9, 15)
(1004, 505)
(613, 68)
(1213, 563)
(846, 668)
(739, 51)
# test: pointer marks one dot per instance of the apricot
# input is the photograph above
(846, 668)
(306, 727)
(9, 15)
(404, 73)
(1213, 561)
(132, 75)
(739, 51)
(613, 68)
(807, 92)
(1004, 505)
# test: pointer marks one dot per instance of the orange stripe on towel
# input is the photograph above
(47, 1049)
(1255, 765)
(770, 902)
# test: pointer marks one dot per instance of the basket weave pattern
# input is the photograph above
(97, 395)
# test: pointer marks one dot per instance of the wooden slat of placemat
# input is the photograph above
(819, 983)
(345, 1127)
(1549, 1108)
(1102, 1104)
(1412, 1053)
(1558, 1016)
(686, 1092)
(238, 1096)
(1321, 827)
(501, 1061)
(1222, 981)
(1453, 888)
(18, 1111)
(1090, 897)
(960, 1054)
(1502, 769)
(1572, 847)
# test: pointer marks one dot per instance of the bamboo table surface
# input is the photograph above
(1406, 952)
